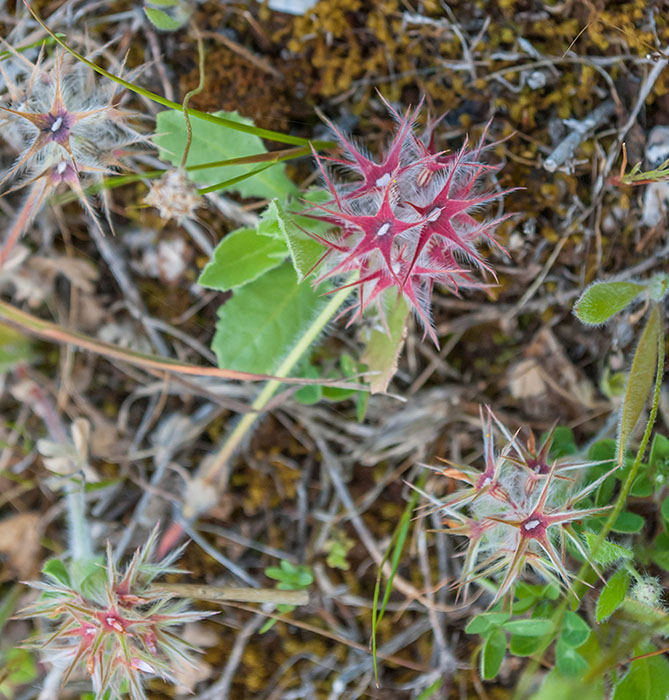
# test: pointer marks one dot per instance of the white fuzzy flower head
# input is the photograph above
(67, 130)
(114, 624)
(518, 511)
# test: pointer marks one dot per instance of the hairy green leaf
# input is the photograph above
(640, 382)
(639, 613)
(492, 654)
(602, 300)
(212, 143)
(612, 594)
(286, 223)
(241, 257)
(259, 325)
(608, 552)
(532, 627)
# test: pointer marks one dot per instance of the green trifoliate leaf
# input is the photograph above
(568, 660)
(575, 630)
(659, 452)
(520, 645)
(665, 509)
(484, 622)
(602, 300)
(529, 628)
(628, 522)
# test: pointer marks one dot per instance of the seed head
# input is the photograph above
(648, 590)
(174, 196)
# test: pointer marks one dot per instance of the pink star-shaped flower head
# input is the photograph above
(400, 233)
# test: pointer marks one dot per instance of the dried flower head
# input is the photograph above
(174, 195)
(518, 512)
(114, 624)
(406, 220)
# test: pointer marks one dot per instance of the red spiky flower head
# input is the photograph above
(405, 221)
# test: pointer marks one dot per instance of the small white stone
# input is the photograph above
(57, 124)
(383, 229)
(655, 203)
(383, 180)
(292, 7)
(536, 80)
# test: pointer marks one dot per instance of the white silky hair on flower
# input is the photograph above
(519, 511)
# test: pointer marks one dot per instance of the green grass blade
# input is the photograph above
(33, 45)
(394, 552)
(234, 180)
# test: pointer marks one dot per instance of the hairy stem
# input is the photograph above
(235, 438)
(81, 545)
